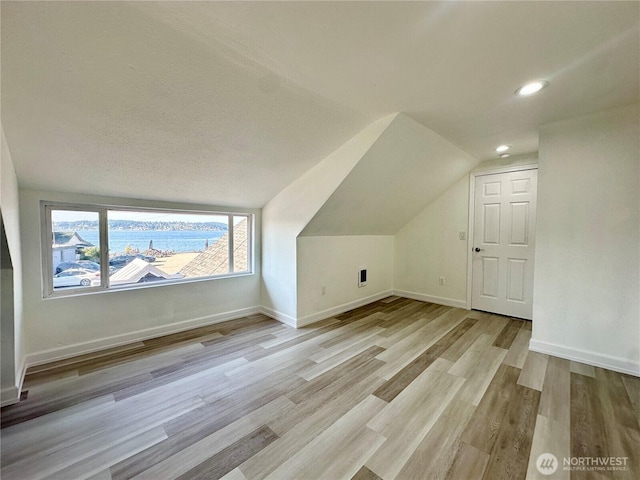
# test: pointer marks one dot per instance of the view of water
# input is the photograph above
(178, 241)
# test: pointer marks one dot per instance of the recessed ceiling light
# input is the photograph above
(502, 148)
(531, 88)
(505, 155)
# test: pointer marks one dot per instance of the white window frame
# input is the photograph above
(46, 207)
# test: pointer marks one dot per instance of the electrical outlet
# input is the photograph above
(441, 281)
(462, 235)
(323, 291)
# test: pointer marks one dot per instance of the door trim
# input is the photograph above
(472, 193)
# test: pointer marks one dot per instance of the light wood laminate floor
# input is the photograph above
(398, 389)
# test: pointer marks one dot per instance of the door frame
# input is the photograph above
(472, 204)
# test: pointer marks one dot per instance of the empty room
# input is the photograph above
(320, 240)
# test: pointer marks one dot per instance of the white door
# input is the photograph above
(504, 226)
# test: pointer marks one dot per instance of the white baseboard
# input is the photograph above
(9, 396)
(449, 302)
(281, 317)
(62, 353)
(345, 307)
(616, 364)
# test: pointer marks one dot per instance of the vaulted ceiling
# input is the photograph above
(228, 102)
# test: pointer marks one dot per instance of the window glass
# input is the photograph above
(75, 249)
(141, 246)
(241, 251)
(154, 246)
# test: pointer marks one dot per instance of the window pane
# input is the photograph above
(151, 246)
(241, 259)
(75, 249)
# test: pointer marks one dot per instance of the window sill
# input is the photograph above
(81, 292)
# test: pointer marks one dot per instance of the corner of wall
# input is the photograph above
(286, 215)
(587, 260)
(10, 202)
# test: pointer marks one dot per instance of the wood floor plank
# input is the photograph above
(390, 299)
(341, 347)
(534, 371)
(52, 369)
(519, 349)
(406, 350)
(490, 415)
(188, 458)
(223, 462)
(595, 431)
(103, 475)
(408, 374)
(101, 460)
(549, 436)
(460, 346)
(632, 386)
(406, 326)
(193, 426)
(466, 364)
(235, 474)
(622, 432)
(33, 407)
(307, 421)
(457, 396)
(312, 387)
(100, 376)
(407, 420)
(469, 463)
(215, 369)
(587, 419)
(583, 369)
(340, 450)
(362, 380)
(479, 373)
(334, 359)
(96, 429)
(508, 334)
(19, 441)
(436, 452)
(556, 390)
(494, 324)
(365, 474)
(509, 457)
(410, 318)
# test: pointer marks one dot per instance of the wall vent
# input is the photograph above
(362, 277)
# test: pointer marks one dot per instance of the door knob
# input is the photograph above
(477, 249)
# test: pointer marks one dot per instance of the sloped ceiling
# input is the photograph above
(228, 102)
(103, 98)
(403, 171)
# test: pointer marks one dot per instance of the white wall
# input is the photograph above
(407, 168)
(10, 206)
(333, 263)
(428, 247)
(288, 213)
(58, 327)
(587, 267)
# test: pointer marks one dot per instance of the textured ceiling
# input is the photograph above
(228, 102)
(406, 168)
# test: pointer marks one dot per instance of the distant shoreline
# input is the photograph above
(138, 226)
(187, 241)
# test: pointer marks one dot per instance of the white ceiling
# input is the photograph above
(227, 103)
(406, 168)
